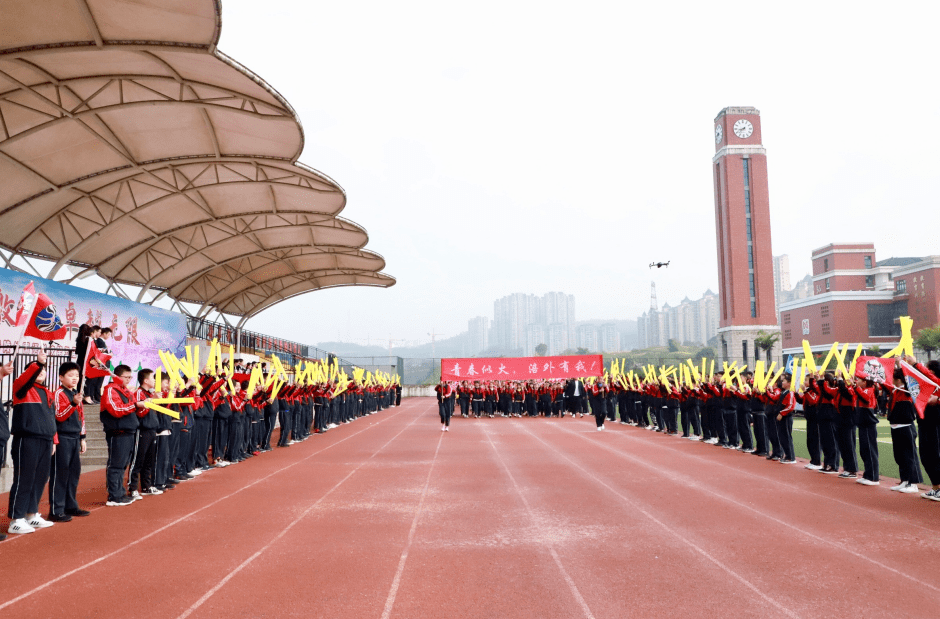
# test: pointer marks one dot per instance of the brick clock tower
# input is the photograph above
(742, 227)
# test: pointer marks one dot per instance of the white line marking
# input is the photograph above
(290, 526)
(180, 519)
(693, 485)
(551, 547)
(393, 592)
(891, 518)
(667, 528)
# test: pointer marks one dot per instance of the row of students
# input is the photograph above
(149, 452)
(839, 416)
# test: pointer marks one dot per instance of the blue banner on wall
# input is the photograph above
(139, 331)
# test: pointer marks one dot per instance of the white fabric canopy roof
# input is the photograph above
(132, 148)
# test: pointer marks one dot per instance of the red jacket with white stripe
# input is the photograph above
(69, 417)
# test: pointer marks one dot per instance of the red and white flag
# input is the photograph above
(877, 369)
(919, 386)
(44, 323)
(93, 354)
(25, 307)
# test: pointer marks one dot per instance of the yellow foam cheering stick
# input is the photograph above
(906, 345)
(808, 356)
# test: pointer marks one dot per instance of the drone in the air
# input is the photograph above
(659, 265)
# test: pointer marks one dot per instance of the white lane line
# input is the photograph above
(393, 592)
(696, 486)
(891, 518)
(667, 528)
(551, 547)
(180, 519)
(284, 531)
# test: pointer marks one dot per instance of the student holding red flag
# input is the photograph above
(901, 414)
(928, 435)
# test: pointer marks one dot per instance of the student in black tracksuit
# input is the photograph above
(201, 427)
(928, 435)
(901, 416)
(145, 457)
(66, 461)
(220, 431)
(34, 438)
(867, 407)
(285, 416)
(118, 408)
(162, 479)
(270, 420)
(845, 430)
(826, 413)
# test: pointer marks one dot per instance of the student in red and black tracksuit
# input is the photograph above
(828, 400)
(145, 456)
(66, 461)
(222, 413)
(901, 415)
(445, 410)
(201, 429)
(271, 412)
(236, 451)
(118, 408)
(846, 422)
(284, 416)
(867, 407)
(596, 393)
(162, 479)
(809, 398)
(34, 443)
(928, 435)
(758, 418)
(786, 405)
(183, 465)
(772, 399)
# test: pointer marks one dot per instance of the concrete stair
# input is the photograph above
(97, 454)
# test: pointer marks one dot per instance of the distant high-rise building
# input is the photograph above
(781, 280)
(695, 322)
(534, 335)
(608, 338)
(513, 314)
(479, 331)
(587, 338)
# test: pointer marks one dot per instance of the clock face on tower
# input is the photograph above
(717, 134)
(743, 128)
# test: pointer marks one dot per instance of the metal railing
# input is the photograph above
(55, 357)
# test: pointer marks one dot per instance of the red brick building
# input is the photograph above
(857, 300)
(742, 225)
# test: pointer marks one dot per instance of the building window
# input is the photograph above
(753, 309)
(827, 284)
(825, 328)
(786, 318)
(901, 286)
(867, 262)
(824, 311)
(750, 238)
(744, 351)
(869, 281)
(787, 334)
(825, 264)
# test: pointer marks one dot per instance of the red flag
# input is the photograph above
(45, 323)
(877, 369)
(920, 387)
(93, 354)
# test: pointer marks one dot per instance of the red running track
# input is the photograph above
(390, 517)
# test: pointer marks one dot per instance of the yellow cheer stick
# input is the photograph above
(172, 400)
(832, 352)
(808, 356)
(759, 376)
(253, 380)
(231, 361)
(906, 345)
(711, 370)
(160, 409)
(840, 361)
(858, 353)
(170, 363)
(158, 380)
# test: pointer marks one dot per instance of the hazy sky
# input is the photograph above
(498, 147)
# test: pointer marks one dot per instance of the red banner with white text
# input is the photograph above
(522, 368)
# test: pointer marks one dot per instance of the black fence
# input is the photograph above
(54, 358)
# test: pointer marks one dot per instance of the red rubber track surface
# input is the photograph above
(390, 517)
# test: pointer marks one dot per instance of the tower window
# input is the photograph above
(869, 281)
(827, 283)
(825, 264)
(867, 262)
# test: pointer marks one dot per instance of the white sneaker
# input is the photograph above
(195, 472)
(813, 467)
(446, 429)
(443, 428)
(153, 490)
(867, 482)
(38, 522)
(136, 496)
(20, 526)
(909, 489)
(600, 428)
(900, 486)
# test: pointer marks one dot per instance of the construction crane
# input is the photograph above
(433, 336)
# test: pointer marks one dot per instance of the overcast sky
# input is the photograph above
(499, 147)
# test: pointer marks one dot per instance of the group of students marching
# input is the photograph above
(840, 415)
(151, 451)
